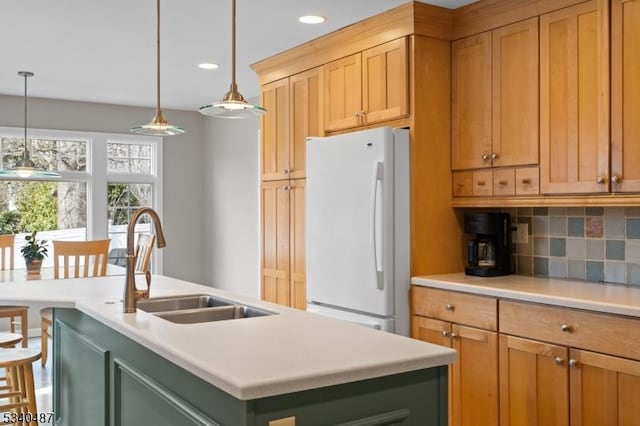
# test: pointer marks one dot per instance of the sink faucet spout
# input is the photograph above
(131, 295)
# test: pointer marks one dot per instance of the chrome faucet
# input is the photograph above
(131, 294)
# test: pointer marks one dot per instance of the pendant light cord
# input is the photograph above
(158, 58)
(25, 112)
(233, 43)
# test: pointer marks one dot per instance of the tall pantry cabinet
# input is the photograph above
(392, 69)
(294, 111)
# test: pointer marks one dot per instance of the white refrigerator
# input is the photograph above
(357, 227)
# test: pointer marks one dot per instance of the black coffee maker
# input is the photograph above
(489, 253)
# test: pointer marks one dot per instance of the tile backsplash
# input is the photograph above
(588, 243)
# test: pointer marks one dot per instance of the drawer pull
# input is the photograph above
(502, 182)
(573, 363)
(566, 328)
(449, 307)
(559, 360)
(526, 181)
(481, 183)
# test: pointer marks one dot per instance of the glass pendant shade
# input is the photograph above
(158, 126)
(232, 104)
(25, 167)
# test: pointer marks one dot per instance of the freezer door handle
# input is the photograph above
(374, 229)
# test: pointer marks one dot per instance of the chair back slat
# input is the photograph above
(92, 255)
(144, 249)
(6, 250)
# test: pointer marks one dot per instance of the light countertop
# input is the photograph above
(248, 358)
(608, 298)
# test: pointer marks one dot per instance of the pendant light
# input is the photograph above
(159, 126)
(232, 104)
(25, 167)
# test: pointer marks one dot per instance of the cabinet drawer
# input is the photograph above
(611, 334)
(503, 182)
(461, 308)
(527, 181)
(462, 184)
(483, 183)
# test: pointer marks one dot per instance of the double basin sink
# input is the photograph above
(196, 308)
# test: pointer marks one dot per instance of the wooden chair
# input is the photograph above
(12, 312)
(143, 251)
(89, 260)
(18, 395)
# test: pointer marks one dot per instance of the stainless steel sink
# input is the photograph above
(180, 303)
(194, 308)
(219, 313)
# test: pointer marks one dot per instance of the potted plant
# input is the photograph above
(33, 252)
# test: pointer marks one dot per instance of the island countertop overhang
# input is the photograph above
(251, 358)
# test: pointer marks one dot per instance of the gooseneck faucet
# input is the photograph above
(131, 294)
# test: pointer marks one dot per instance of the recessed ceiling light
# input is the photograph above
(312, 19)
(208, 66)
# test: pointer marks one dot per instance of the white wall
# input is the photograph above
(231, 203)
(183, 214)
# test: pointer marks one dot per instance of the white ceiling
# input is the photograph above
(104, 51)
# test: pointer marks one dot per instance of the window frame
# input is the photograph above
(97, 177)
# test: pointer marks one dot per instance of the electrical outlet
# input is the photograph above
(521, 234)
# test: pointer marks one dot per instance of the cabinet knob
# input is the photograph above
(558, 360)
(454, 336)
(616, 179)
(286, 171)
(444, 333)
(485, 157)
(449, 307)
(600, 180)
(494, 156)
(286, 188)
(357, 114)
(573, 363)
(566, 328)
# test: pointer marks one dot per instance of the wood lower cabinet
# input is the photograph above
(533, 383)
(473, 378)
(283, 260)
(574, 100)
(367, 87)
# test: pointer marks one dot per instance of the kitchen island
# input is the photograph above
(294, 367)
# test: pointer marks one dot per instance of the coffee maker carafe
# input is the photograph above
(489, 253)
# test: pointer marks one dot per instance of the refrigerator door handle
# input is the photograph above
(374, 229)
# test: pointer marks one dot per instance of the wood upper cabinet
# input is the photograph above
(294, 112)
(574, 100)
(367, 87)
(306, 116)
(515, 94)
(495, 97)
(625, 95)
(533, 383)
(283, 247)
(274, 153)
(471, 94)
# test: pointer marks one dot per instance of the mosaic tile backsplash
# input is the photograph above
(599, 244)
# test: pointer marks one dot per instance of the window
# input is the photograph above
(105, 178)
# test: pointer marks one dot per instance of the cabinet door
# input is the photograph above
(275, 242)
(604, 389)
(275, 130)
(343, 93)
(574, 93)
(471, 95)
(533, 383)
(474, 377)
(297, 243)
(306, 116)
(385, 89)
(515, 94)
(625, 96)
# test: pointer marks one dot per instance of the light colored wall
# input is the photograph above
(231, 203)
(183, 214)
